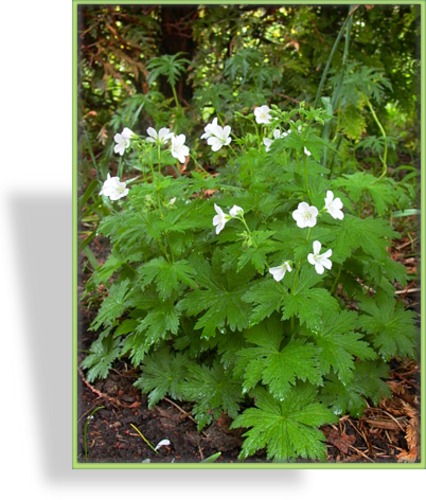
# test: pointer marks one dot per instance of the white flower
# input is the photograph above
(320, 261)
(279, 271)
(179, 150)
(209, 128)
(220, 219)
(235, 211)
(221, 138)
(113, 188)
(163, 442)
(277, 135)
(262, 114)
(333, 206)
(216, 135)
(160, 137)
(267, 143)
(306, 151)
(123, 141)
(305, 216)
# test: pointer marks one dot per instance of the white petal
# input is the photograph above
(218, 210)
(217, 219)
(287, 266)
(220, 226)
(163, 442)
(326, 263)
(329, 197)
(277, 273)
(311, 259)
(311, 222)
(267, 143)
(119, 148)
(152, 132)
(127, 133)
(327, 254)
(303, 206)
(214, 143)
(317, 247)
(319, 268)
(314, 211)
(236, 210)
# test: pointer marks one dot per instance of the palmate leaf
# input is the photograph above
(214, 391)
(391, 327)
(219, 303)
(287, 429)
(167, 275)
(308, 305)
(153, 320)
(171, 66)
(278, 368)
(370, 234)
(352, 122)
(266, 297)
(339, 344)
(103, 352)
(162, 373)
(104, 272)
(158, 324)
(351, 397)
(359, 184)
(113, 306)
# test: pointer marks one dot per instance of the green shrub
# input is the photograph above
(263, 292)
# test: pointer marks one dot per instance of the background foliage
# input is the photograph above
(235, 56)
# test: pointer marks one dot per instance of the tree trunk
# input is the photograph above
(176, 36)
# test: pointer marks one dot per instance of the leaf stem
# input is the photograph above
(175, 96)
(336, 281)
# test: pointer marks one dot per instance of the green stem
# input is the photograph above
(198, 164)
(175, 96)
(259, 139)
(382, 130)
(336, 281)
(248, 230)
(295, 280)
(86, 425)
(92, 155)
(159, 157)
(336, 94)
(305, 172)
(333, 50)
(299, 265)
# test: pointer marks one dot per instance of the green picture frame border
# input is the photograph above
(401, 466)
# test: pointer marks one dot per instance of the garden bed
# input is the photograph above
(108, 409)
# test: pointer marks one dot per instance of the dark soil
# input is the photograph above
(112, 411)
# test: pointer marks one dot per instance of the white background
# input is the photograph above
(35, 381)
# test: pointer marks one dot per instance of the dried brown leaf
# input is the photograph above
(411, 436)
(341, 441)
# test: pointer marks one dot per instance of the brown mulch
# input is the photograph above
(109, 410)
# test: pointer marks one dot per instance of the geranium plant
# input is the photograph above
(260, 292)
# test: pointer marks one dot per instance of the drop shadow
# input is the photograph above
(42, 242)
